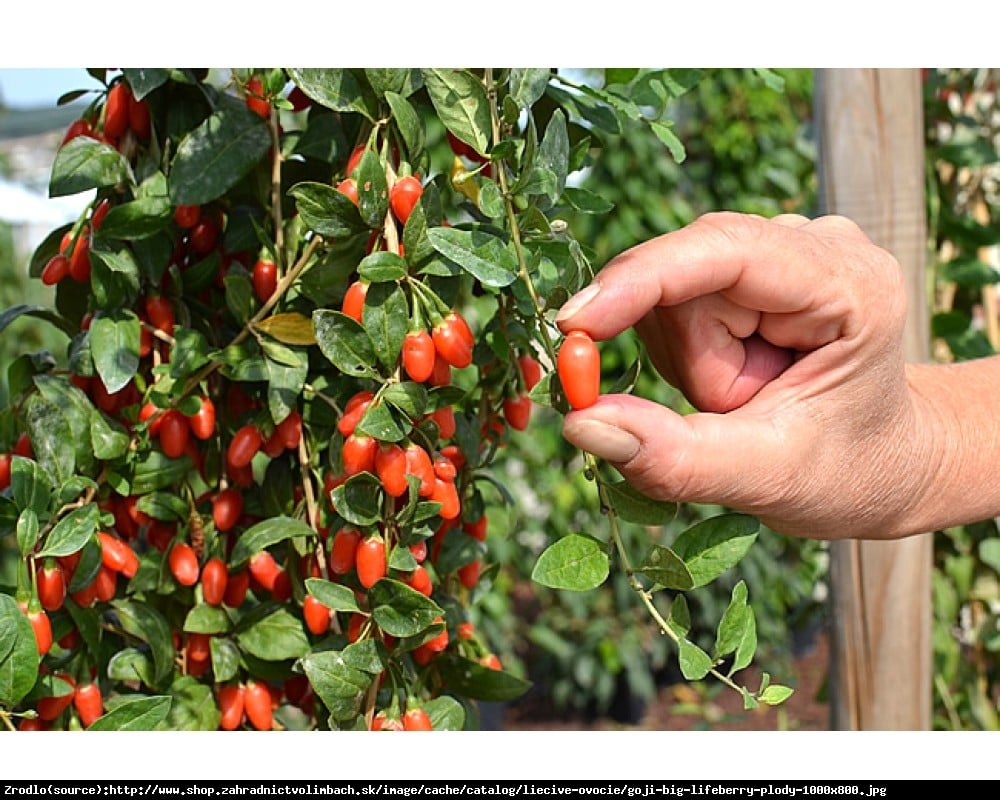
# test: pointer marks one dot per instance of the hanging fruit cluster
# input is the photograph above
(258, 481)
(300, 330)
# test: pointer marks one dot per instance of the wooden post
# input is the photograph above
(871, 169)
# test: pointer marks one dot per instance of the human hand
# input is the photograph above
(787, 335)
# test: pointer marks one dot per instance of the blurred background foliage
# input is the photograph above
(749, 148)
(963, 200)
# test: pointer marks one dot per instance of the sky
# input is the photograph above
(39, 87)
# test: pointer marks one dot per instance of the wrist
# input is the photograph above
(955, 452)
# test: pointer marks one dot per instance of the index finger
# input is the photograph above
(760, 264)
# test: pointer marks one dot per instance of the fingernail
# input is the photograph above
(577, 301)
(603, 440)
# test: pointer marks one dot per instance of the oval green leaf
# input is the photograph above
(715, 545)
(576, 562)
(344, 342)
(694, 662)
(325, 210)
(483, 255)
(216, 155)
(401, 611)
(143, 714)
(633, 506)
(114, 343)
(71, 533)
(470, 679)
(84, 163)
(276, 637)
(333, 595)
(18, 653)
(264, 534)
(460, 100)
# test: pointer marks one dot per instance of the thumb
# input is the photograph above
(730, 459)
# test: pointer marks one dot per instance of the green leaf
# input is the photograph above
(408, 122)
(714, 545)
(382, 267)
(575, 562)
(357, 500)
(71, 533)
(114, 342)
(131, 664)
(460, 100)
(694, 662)
(225, 658)
(338, 89)
(51, 438)
(553, 154)
(344, 342)
(445, 713)
(387, 80)
(84, 163)
(632, 505)
(29, 485)
(188, 354)
(137, 219)
(18, 653)
(381, 422)
(145, 80)
(401, 611)
(146, 623)
(192, 708)
(484, 256)
(373, 190)
(587, 108)
(337, 680)
(491, 199)
(143, 714)
(27, 532)
(213, 157)
(470, 679)
(263, 535)
(284, 385)
(989, 553)
(748, 644)
(333, 595)
(203, 618)
(275, 637)
(528, 85)
(665, 567)
(108, 437)
(37, 312)
(408, 396)
(86, 570)
(587, 202)
(669, 138)
(115, 274)
(679, 618)
(239, 295)
(385, 320)
(733, 626)
(969, 272)
(325, 210)
(77, 410)
(774, 694)
(156, 471)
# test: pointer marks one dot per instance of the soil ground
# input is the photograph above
(706, 706)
